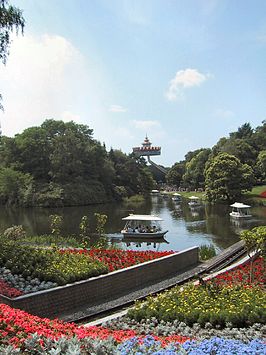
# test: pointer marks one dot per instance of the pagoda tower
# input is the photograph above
(146, 149)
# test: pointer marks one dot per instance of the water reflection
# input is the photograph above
(138, 242)
(205, 224)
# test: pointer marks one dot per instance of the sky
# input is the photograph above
(186, 73)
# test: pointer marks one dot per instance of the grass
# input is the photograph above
(254, 194)
(188, 194)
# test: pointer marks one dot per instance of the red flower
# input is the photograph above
(9, 291)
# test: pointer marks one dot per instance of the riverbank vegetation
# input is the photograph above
(230, 168)
(61, 164)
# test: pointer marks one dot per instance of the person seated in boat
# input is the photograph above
(130, 229)
(141, 229)
(136, 230)
(153, 229)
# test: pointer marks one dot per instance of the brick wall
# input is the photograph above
(67, 299)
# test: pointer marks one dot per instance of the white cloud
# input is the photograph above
(47, 77)
(223, 113)
(144, 125)
(184, 79)
(38, 81)
(117, 108)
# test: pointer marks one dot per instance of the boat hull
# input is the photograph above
(143, 235)
(238, 215)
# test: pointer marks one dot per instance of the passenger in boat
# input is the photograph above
(154, 229)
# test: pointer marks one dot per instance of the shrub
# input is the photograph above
(49, 264)
(15, 233)
(206, 252)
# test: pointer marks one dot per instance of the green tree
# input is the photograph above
(261, 164)
(245, 131)
(194, 173)
(15, 187)
(175, 174)
(226, 177)
(241, 149)
(255, 242)
(11, 20)
(259, 137)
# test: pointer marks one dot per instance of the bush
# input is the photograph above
(15, 233)
(49, 264)
(206, 252)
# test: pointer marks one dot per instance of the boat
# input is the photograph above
(240, 210)
(176, 197)
(164, 194)
(155, 192)
(194, 201)
(144, 226)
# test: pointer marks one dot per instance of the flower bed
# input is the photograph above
(38, 335)
(241, 274)
(7, 290)
(200, 304)
(27, 269)
(226, 298)
(116, 259)
(16, 326)
(48, 264)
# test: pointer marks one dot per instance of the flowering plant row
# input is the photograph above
(17, 326)
(241, 274)
(116, 259)
(200, 304)
(218, 346)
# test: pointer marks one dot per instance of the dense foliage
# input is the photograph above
(22, 267)
(48, 264)
(232, 166)
(60, 164)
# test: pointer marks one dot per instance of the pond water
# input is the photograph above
(187, 227)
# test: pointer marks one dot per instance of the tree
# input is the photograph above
(15, 187)
(261, 164)
(226, 177)
(241, 149)
(194, 174)
(255, 241)
(245, 131)
(11, 20)
(175, 174)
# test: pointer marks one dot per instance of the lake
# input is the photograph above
(187, 227)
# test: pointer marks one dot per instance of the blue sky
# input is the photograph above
(185, 72)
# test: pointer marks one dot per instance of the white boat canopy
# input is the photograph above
(194, 197)
(239, 205)
(141, 217)
(176, 194)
